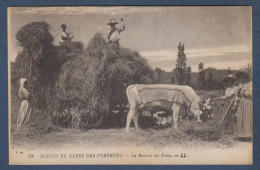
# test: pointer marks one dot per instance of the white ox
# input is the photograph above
(161, 97)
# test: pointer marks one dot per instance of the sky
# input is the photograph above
(219, 37)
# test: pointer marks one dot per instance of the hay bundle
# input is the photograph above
(68, 50)
(97, 79)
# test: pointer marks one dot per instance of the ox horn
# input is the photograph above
(190, 104)
(188, 108)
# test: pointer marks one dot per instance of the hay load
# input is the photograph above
(95, 81)
(68, 50)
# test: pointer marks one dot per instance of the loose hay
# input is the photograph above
(197, 134)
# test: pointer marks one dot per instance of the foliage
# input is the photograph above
(182, 73)
(202, 79)
(210, 78)
(163, 77)
(188, 76)
(96, 80)
(181, 57)
(202, 76)
(213, 78)
(157, 74)
(201, 66)
(210, 81)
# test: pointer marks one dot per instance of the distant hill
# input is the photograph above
(217, 77)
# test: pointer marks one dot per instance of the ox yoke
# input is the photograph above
(158, 105)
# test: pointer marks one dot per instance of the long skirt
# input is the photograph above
(228, 124)
(244, 124)
(24, 113)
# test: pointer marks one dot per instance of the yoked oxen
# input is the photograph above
(164, 96)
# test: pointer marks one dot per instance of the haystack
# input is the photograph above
(39, 63)
(95, 81)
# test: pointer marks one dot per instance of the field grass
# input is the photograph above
(40, 132)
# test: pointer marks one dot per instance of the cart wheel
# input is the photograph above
(97, 122)
(61, 118)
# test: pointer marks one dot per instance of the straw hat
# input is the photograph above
(229, 79)
(112, 22)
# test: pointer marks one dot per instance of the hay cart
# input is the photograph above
(66, 116)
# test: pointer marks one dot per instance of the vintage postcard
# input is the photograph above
(130, 85)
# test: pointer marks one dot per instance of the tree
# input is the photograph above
(202, 76)
(157, 73)
(249, 68)
(172, 79)
(201, 66)
(181, 69)
(188, 76)
(229, 70)
(210, 81)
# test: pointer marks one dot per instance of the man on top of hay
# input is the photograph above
(65, 37)
(113, 34)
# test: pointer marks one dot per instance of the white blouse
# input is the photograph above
(230, 91)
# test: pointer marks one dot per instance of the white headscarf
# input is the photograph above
(22, 92)
(22, 81)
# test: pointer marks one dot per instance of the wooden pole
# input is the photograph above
(30, 74)
(227, 110)
(29, 82)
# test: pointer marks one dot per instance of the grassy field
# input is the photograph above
(40, 132)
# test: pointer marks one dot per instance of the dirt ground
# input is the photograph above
(189, 135)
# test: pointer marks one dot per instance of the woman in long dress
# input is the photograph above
(244, 123)
(25, 108)
(230, 92)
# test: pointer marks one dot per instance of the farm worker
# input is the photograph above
(65, 37)
(244, 114)
(230, 91)
(25, 108)
(113, 34)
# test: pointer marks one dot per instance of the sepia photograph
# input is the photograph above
(130, 85)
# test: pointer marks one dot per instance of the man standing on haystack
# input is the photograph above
(65, 37)
(113, 34)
